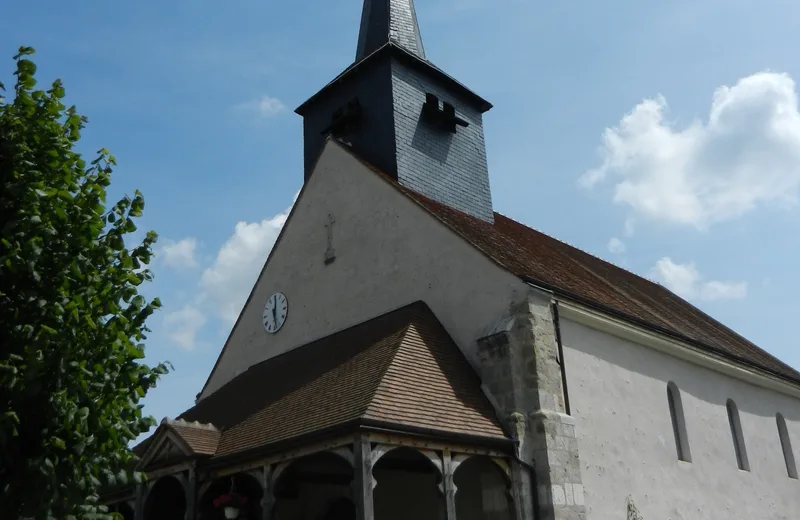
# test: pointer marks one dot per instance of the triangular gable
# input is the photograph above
(166, 448)
(250, 295)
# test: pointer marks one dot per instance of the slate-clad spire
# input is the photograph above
(384, 21)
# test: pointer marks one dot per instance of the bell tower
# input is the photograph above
(403, 114)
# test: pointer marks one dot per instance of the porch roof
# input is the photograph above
(401, 368)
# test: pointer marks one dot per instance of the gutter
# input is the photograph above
(534, 487)
(379, 426)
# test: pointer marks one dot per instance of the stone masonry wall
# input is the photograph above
(520, 367)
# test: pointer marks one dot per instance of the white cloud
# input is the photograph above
(265, 107)
(630, 226)
(226, 284)
(182, 326)
(179, 254)
(616, 245)
(745, 155)
(685, 281)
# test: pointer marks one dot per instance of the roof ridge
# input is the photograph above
(389, 362)
(451, 370)
(194, 424)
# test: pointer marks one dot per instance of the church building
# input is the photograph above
(409, 353)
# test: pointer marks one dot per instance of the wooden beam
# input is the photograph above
(431, 445)
(362, 484)
(173, 469)
(296, 453)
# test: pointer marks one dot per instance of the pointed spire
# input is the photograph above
(384, 21)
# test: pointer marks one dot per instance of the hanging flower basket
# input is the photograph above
(231, 502)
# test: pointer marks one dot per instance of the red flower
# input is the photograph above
(230, 500)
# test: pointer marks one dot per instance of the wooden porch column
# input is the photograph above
(448, 468)
(268, 497)
(362, 483)
(141, 494)
(191, 495)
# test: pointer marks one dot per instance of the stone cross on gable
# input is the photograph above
(330, 254)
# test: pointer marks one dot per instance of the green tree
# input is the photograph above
(72, 321)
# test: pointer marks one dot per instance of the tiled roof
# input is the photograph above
(571, 272)
(202, 439)
(401, 368)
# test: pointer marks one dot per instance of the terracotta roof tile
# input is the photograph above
(534, 256)
(201, 439)
(400, 368)
(427, 365)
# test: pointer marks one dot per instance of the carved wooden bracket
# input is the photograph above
(345, 453)
(279, 470)
(377, 452)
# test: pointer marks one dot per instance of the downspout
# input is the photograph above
(534, 487)
(561, 361)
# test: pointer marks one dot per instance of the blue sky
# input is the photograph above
(663, 136)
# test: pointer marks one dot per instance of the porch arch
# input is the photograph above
(124, 509)
(243, 484)
(166, 500)
(482, 488)
(316, 486)
(407, 484)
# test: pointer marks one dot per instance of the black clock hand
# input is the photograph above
(274, 308)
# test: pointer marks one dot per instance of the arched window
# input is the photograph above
(738, 438)
(678, 422)
(786, 444)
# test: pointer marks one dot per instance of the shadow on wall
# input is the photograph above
(701, 383)
(432, 142)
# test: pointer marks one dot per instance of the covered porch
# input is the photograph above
(371, 476)
(383, 421)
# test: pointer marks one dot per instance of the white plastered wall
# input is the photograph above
(389, 253)
(618, 395)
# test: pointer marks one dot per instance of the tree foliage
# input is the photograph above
(72, 321)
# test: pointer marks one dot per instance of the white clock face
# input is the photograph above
(275, 312)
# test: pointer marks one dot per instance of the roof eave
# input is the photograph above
(654, 328)
(354, 426)
(411, 60)
(388, 427)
